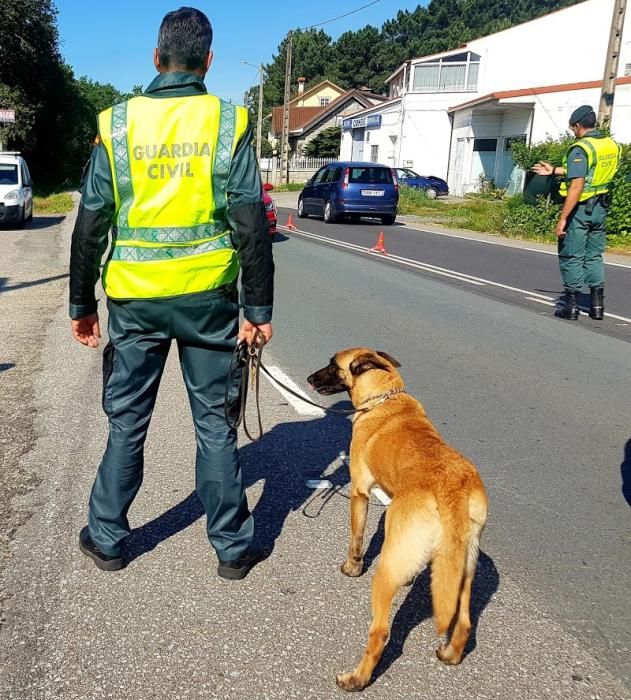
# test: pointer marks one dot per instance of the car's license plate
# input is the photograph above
(373, 193)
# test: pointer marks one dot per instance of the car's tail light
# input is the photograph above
(394, 179)
(347, 174)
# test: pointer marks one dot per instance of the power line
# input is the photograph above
(334, 19)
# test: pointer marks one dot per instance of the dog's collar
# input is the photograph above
(380, 398)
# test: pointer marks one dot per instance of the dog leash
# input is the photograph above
(247, 362)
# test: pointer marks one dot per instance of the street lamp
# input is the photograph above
(259, 122)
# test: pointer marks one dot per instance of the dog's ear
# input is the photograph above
(363, 363)
(391, 360)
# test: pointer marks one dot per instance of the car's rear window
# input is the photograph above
(8, 174)
(370, 176)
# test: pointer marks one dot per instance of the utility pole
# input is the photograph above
(605, 107)
(285, 137)
(259, 123)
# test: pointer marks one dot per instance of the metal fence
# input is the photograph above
(299, 168)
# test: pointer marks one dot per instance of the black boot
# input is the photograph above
(597, 308)
(570, 310)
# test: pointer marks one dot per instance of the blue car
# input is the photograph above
(351, 189)
(433, 186)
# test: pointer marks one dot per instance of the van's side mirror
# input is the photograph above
(309, 181)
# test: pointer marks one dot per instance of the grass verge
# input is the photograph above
(59, 203)
(510, 217)
(290, 187)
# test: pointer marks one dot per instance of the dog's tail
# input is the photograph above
(449, 560)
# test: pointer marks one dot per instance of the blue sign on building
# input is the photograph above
(373, 121)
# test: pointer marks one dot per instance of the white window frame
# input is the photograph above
(440, 63)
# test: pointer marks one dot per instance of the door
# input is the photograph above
(321, 191)
(458, 169)
(483, 162)
(28, 191)
(358, 144)
(309, 194)
(509, 176)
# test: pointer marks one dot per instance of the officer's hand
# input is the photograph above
(248, 330)
(543, 168)
(561, 226)
(86, 330)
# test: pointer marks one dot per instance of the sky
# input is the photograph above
(113, 42)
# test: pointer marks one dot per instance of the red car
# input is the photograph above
(270, 208)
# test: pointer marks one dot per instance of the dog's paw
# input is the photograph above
(352, 568)
(349, 682)
(448, 656)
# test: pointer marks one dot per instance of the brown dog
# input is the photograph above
(438, 509)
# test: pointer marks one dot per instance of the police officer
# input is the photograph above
(175, 176)
(588, 169)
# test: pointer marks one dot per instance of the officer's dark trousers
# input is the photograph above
(581, 249)
(205, 327)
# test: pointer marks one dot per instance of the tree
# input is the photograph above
(326, 144)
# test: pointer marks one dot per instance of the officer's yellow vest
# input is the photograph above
(603, 157)
(170, 159)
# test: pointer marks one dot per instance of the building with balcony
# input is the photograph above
(455, 114)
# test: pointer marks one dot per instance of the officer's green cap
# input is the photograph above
(580, 113)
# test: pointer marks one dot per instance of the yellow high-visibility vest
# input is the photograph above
(170, 159)
(603, 157)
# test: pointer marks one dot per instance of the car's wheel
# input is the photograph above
(21, 219)
(329, 215)
(431, 192)
(388, 220)
(302, 214)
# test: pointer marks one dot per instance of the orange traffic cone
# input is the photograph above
(290, 224)
(380, 246)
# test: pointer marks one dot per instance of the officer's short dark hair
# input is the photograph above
(184, 39)
(588, 121)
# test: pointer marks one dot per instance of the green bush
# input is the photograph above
(536, 221)
(552, 151)
(619, 218)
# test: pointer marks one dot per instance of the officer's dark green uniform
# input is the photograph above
(204, 325)
(594, 157)
(581, 249)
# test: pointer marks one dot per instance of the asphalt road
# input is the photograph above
(518, 273)
(539, 404)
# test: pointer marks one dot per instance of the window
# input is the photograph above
(319, 176)
(627, 70)
(372, 176)
(8, 174)
(484, 144)
(374, 154)
(457, 73)
(324, 101)
(367, 136)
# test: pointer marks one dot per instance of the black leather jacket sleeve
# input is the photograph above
(246, 216)
(91, 232)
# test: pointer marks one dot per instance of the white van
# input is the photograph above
(16, 190)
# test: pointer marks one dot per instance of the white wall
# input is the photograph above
(566, 46)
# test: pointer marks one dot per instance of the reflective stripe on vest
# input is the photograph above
(603, 157)
(170, 161)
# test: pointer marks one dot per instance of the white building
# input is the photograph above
(455, 114)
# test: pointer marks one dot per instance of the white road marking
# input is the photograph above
(541, 301)
(501, 243)
(300, 407)
(445, 272)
